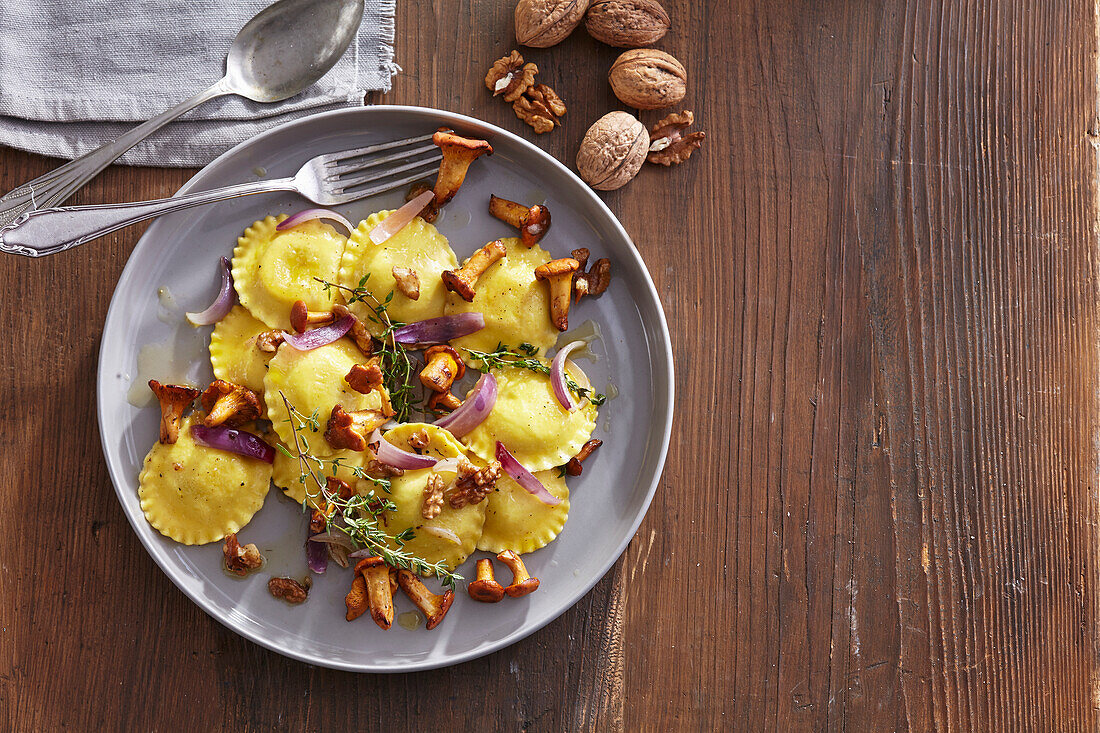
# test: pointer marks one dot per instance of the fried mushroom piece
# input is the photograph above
(458, 153)
(301, 318)
(593, 281)
(241, 559)
(350, 430)
(173, 399)
(532, 221)
(434, 607)
(358, 333)
(522, 582)
(376, 576)
(229, 404)
(442, 367)
(462, 280)
(559, 274)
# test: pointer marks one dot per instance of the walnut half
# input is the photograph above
(668, 145)
(510, 76)
(540, 107)
(473, 484)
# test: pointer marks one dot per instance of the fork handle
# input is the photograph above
(51, 189)
(47, 231)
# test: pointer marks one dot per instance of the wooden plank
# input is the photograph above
(878, 511)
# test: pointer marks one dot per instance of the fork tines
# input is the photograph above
(348, 171)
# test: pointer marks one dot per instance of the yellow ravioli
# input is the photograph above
(313, 381)
(531, 422)
(234, 355)
(515, 520)
(420, 247)
(515, 305)
(195, 494)
(272, 269)
(407, 493)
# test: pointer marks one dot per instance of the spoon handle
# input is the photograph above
(47, 231)
(54, 187)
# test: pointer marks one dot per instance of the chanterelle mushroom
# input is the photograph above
(462, 280)
(458, 153)
(229, 404)
(358, 333)
(593, 281)
(432, 606)
(532, 221)
(376, 575)
(522, 582)
(442, 367)
(174, 399)
(559, 273)
(367, 378)
(485, 589)
(302, 318)
(350, 430)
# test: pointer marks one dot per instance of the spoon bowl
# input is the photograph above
(290, 45)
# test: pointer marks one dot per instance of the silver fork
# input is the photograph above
(329, 180)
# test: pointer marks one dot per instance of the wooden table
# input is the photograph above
(879, 510)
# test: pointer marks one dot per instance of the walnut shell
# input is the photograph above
(612, 151)
(543, 23)
(646, 78)
(627, 23)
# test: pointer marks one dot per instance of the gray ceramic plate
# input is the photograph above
(173, 268)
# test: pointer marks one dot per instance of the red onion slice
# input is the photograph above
(523, 477)
(439, 330)
(227, 298)
(240, 442)
(474, 410)
(319, 336)
(557, 376)
(316, 555)
(334, 538)
(441, 532)
(399, 219)
(391, 455)
(310, 214)
(448, 465)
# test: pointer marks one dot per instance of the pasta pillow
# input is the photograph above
(195, 494)
(517, 521)
(234, 355)
(272, 269)
(516, 306)
(418, 246)
(531, 423)
(449, 537)
(313, 381)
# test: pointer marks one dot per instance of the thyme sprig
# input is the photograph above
(526, 357)
(398, 373)
(358, 516)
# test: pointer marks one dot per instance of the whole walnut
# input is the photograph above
(543, 23)
(646, 78)
(626, 23)
(612, 151)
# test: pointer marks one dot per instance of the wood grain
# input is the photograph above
(879, 509)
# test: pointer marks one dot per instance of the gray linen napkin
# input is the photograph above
(75, 74)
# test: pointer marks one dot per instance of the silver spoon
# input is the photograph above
(284, 49)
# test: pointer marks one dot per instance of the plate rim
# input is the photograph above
(217, 612)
